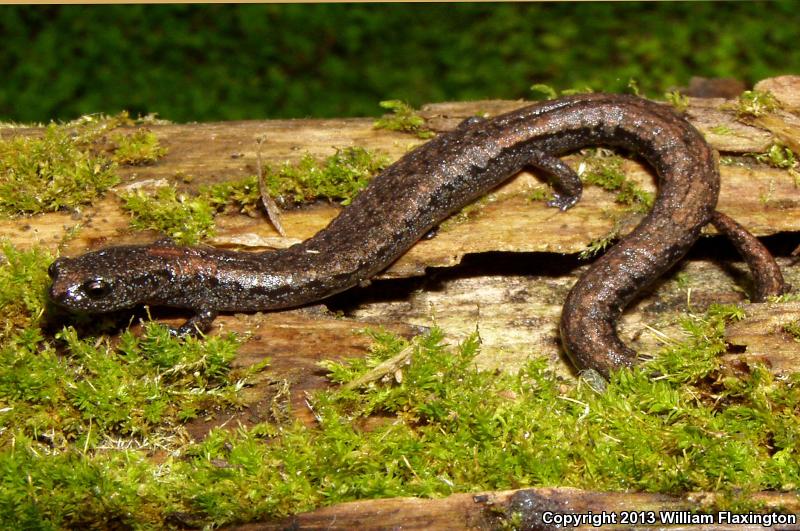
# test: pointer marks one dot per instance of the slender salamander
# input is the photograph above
(416, 193)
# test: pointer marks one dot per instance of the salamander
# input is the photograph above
(413, 195)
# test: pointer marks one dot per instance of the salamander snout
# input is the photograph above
(109, 279)
(76, 289)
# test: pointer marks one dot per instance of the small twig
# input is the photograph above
(273, 213)
(391, 365)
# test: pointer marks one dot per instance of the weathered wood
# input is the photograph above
(785, 89)
(763, 337)
(762, 198)
(486, 511)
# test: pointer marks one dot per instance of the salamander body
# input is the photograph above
(416, 193)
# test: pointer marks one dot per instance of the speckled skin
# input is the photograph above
(416, 193)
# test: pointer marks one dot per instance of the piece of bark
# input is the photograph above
(491, 510)
(785, 90)
(716, 119)
(763, 337)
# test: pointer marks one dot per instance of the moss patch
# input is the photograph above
(403, 118)
(139, 147)
(754, 103)
(780, 156)
(70, 164)
(92, 431)
(189, 219)
(50, 173)
(606, 172)
(543, 91)
(184, 218)
(678, 101)
(336, 178)
(23, 287)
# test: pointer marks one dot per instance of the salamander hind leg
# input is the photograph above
(565, 181)
(767, 278)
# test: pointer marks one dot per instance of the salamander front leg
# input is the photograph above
(196, 325)
(567, 184)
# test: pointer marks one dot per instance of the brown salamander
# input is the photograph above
(416, 193)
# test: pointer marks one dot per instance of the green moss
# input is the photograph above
(721, 130)
(50, 173)
(139, 147)
(606, 172)
(64, 393)
(403, 118)
(92, 430)
(90, 128)
(683, 280)
(185, 219)
(338, 177)
(70, 164)
(189, 219)
(754, 103)
(599, 245)
(793, 329)
(550, 93)
(71, 421)
(678, 101)
(23, 285)
(540, 193)
(547, 92)
(633, 87)
(777, 156)
(780, 156)
(97, 393)
(244, 195)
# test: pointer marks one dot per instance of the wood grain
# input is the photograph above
(484, 511)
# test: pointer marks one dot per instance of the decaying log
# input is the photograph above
(485, 511)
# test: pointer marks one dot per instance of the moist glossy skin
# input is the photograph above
(416, 193)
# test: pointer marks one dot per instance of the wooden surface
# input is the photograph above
(506, 270)
(486, 511)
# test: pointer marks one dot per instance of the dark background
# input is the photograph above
(222, 62)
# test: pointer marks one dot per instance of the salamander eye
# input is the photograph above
(54, 268)
(96, 288)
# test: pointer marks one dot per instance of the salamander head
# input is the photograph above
(109, 279)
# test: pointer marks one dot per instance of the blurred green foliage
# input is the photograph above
(213, 62)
